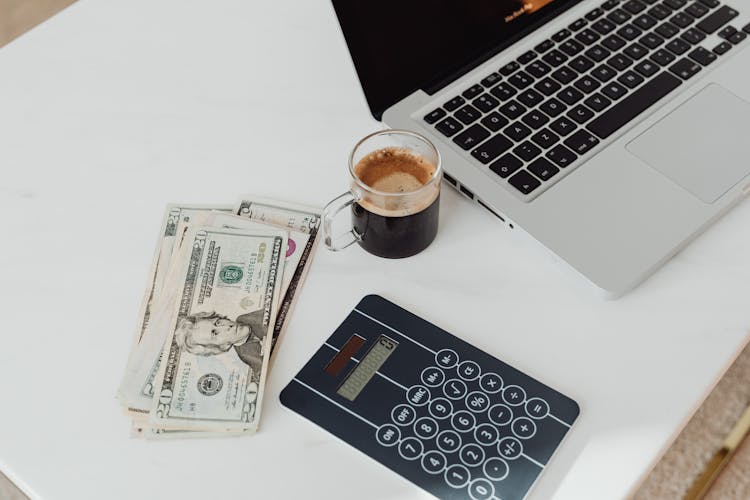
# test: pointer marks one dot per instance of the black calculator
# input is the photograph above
(445, 415)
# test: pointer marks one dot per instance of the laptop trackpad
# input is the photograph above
(702, 145)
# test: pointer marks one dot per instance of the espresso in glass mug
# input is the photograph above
(394, 195)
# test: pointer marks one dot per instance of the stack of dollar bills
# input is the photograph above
(221, 287)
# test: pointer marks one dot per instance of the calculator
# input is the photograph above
(443, 414)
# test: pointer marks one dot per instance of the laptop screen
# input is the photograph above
(399, 46)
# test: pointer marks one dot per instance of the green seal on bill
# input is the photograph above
(230, 274)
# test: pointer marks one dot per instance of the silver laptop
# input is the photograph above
(610, 132)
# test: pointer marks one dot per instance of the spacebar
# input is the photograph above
(633, 105)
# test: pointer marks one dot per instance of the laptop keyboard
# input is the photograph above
(542, 112)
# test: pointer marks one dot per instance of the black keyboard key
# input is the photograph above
(563, 125)
(530, 98)
(535, 119)
(613, 42)
(472, 91)
(570, 95)
(524, 182)
(545, 138)
(717, 19)
(494, 121)
(597, 53)
(544, 46)
(491, 80)
(727, 31)
(552, 107)
(580, 114)
(644, 22)
(604, 26)
(693, 36)
(554, 58)
(594, 14)
(578, 24)
(702, 56)
(449, 126)
(746, 28)
(504, 91)
(722, 48)
(662, 57)
(629, 32)
(646, 68)
(526, 57)
(471, 137)
(527, 151)
(603, 73)
(468, 114)
(506, 165)
(710, 3)
(630, 79)
(651, 40)
(548, 86)
(538, 69)
(737, 37)
(620, 62)
(509, 68)
(561, 156)
(685, 68)
(636, 51)
(659, 12)
(587, 36)
(633, 105)
(667, 29)
(581, 142)
(517, 131)
(521, 80)
(571, 47)
(512, 109)
(564, 75)
(597, 102)
(619, 16)
(634, 6)
(561, 35)
(678, 46)
(587, 84)
(697, 10)
(491, 149)
(543, 168)
(454, 103)
(681, 19)
(614, 90)
(434, 115)
(581, 64)
(610, 4)
(675, 4)
(486, 103)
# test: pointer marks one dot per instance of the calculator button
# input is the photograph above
(491, 382)
(496, 469)
(446, 358)
(510, 448)
(440, 408)
(477, 401)
(471, 454)
(433, 376)
(387, 435)
(433, 462)
(410, 448)
(403, 415)
(418, 395)
(500, 414)
(514, 395)
(448, 441)
(468, 370)
(537, 408)
(481, 489)
(523, 427)
(486, 434)
(463, 421)
(425, 427)
(457, 476)
(454, 389)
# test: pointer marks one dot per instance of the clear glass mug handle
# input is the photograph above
(329, 213)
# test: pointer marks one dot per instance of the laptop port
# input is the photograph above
(450, 179)
(490, 210)
(466, 191)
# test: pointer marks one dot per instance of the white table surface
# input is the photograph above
(112, 109)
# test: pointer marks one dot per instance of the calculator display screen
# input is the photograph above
(366, 368)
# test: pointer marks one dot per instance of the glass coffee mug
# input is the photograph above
(394, 196)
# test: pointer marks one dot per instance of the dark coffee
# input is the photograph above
(400, 218)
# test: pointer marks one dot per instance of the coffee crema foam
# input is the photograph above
(399, 172)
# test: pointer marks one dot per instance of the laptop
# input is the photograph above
(612, 133)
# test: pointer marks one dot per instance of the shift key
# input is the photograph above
(492, 148)
(718, 19)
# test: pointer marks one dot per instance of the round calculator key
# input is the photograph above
(457, 476)
(500, 414)
(463, 421)
(486, 434)
(537, 408)
(448, 441)
(440, 408)
(477, 401)
(418, 395)
(432, 376)
(410, 448)
(468, 370)
(471, 455)
(454, 389)
(514, 395)
(403, 415)
(481, 489)
(510, 448)
(425, 427)
(523, 427)
(434, 462)
(491, 383)
(446, 358)
(496, 469)
(388, 435)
